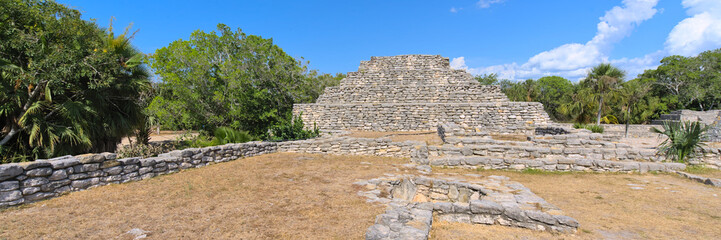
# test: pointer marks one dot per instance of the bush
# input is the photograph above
(683, 139)
(593, 128)
(142, 150)
(292, 130)
(225, 135)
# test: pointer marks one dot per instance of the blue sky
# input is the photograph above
(517, 39)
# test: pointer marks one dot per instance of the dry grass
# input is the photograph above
(668, 207)
(430, 137)
(304, 196)
(275, 196)
(704, 171)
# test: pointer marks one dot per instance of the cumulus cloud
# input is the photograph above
(487, 3)
(574, 59)
(459, 63)
(700, 32)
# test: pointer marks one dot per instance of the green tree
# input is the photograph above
(227, 78)
(488, 79)
(67, 86)
(603, 78)
(317, 82)
(552, 91)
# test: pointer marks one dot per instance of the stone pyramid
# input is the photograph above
(416, 93)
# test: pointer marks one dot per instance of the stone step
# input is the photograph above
(555, 164)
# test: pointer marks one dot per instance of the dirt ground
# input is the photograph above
(609, 206)
(163, 136)
(275, 196)
(306, 196)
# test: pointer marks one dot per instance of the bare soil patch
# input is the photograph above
(163, 136)
(275, 196)
(608, 206)
(430, 137)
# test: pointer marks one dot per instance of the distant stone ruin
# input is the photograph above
(414, 93)
(705, 117)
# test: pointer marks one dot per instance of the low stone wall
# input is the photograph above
(507, 117)
(32, 181)
(619, 130)
(556, 164)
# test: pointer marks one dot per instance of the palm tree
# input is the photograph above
(604, 78)
(631, 93)
(580, 107)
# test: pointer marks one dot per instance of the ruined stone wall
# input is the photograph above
(502, 117)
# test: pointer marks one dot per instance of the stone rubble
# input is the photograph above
(705, 180)
(492, 200)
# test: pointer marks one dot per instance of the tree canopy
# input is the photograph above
(66, 85)
(229, 78)
(677, 83)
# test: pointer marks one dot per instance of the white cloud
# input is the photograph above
(700, 32)
(487, 3)
(454, 10)
(574, 59)
(459, 63)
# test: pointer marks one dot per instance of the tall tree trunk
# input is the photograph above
(628, 120)
(600, 106)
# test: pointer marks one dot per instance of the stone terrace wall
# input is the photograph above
(383, 147)
(409, 94)
(503, 117)
(421, 77)
(405, 62)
